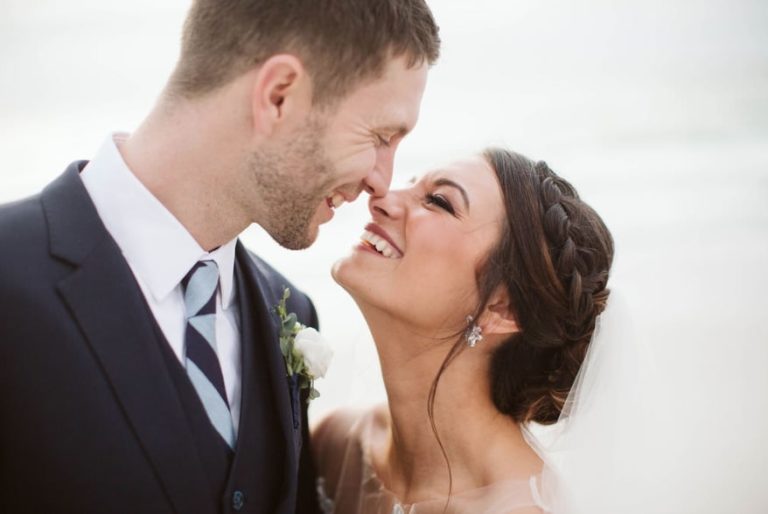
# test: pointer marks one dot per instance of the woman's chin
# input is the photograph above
(343, 273)
(348, 269)
(353, 277)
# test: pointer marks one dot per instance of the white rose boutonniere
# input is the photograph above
(316, 351)
(307, 355)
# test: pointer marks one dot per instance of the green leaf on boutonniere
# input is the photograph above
(283, 346)
(296, 364)
(290, 322)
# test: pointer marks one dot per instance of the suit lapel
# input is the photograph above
(108, 305)
(265, 333)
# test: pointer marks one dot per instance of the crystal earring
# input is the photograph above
(474, 333)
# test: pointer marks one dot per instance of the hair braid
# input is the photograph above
(558, 259)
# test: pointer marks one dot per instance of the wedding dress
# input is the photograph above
(358, 490)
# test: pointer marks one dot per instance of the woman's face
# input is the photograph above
(417, 259)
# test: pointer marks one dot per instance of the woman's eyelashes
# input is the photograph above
(440, 201)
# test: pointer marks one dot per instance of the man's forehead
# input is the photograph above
(384, 112)
(395, 98)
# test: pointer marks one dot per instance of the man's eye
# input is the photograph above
(382, 141)
(440, 201)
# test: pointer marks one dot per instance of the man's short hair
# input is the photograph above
(340, 42)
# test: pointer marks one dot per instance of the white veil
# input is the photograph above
(597, 454)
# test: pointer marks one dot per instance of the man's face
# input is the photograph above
(337, 154)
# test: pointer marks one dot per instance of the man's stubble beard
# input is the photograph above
(291, 182)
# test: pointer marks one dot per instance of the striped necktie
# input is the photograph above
(202, 362)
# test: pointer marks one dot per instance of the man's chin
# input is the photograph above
(296, 231)
(297, 240)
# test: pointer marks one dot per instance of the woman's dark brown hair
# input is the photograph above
(553, 259)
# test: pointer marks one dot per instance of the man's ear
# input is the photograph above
(498, 318)
(281, 92)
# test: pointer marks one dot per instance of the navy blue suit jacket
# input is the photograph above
(90, 419)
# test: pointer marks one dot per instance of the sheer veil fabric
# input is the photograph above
(599, 457)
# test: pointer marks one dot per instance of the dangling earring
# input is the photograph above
(474, 333)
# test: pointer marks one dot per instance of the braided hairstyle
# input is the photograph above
(553, 258)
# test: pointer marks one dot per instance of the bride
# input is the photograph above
(481, 284)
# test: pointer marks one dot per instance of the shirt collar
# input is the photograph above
(158, 248)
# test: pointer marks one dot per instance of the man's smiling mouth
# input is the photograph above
(335, 200)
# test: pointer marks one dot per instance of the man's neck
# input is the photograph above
(182, 155)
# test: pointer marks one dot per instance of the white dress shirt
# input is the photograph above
(160, 252)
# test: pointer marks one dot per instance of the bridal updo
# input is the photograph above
(553, 258)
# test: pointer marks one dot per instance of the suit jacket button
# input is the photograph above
(238, 500)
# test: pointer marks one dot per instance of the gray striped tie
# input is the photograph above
(202, 362)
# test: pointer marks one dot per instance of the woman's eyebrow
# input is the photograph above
(451, 183)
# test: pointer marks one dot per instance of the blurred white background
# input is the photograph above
(656, 110)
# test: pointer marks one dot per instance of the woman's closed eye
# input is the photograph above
(440, 201)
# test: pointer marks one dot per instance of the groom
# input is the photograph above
(140, 370)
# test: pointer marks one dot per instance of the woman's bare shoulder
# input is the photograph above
(331, 439)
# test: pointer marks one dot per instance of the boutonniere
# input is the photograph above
(306, 354)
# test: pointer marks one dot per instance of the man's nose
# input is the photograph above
(379, 179)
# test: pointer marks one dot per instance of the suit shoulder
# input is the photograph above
(23, 228)
(21, 214)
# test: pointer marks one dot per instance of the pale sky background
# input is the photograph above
(656, 110)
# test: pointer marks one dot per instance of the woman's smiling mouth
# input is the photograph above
(375, 238)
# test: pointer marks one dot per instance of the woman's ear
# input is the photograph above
(498, 318)
(281, 93)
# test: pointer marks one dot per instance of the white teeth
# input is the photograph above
(381, 245)
(337, 200)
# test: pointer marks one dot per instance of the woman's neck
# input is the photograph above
(483, 445)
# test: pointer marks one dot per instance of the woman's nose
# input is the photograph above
(391, 205)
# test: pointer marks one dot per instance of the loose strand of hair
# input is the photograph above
(452, 354)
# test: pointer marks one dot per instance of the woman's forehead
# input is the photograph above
(468, 168)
